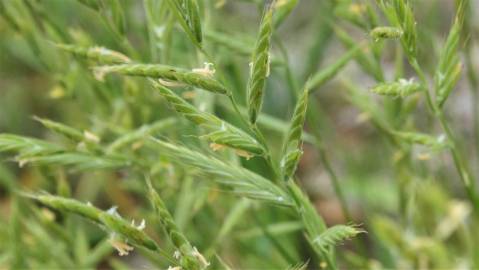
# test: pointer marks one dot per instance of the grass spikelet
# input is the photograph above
(135, 235)
(260, 65)
(35, 151)
(68, 205)
(292, 144)
(113, 16)
(400, 88)
(79, 161)
(221, 132)
(69, 132)
(385, 32)
(179, 240)
(422, 139)
(405, 18)
(169, 73)
(243, 182)
(313, 223)
(26, 147)
(449, 67)
(193, 18)
(97, 54)
(181, 106)
(117, 16)
(335, 235)
(112, 221)
(187, 14)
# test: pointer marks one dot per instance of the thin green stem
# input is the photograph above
(459, 162)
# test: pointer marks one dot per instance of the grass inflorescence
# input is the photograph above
(249, 134)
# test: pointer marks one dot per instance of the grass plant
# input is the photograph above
(239, 134)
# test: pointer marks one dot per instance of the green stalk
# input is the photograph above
(459, 162)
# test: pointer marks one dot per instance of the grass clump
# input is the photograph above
(276, 134)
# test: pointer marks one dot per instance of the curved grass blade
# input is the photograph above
(326, 74)
(98, 54)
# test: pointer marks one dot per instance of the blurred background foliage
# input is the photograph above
(419, 218)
